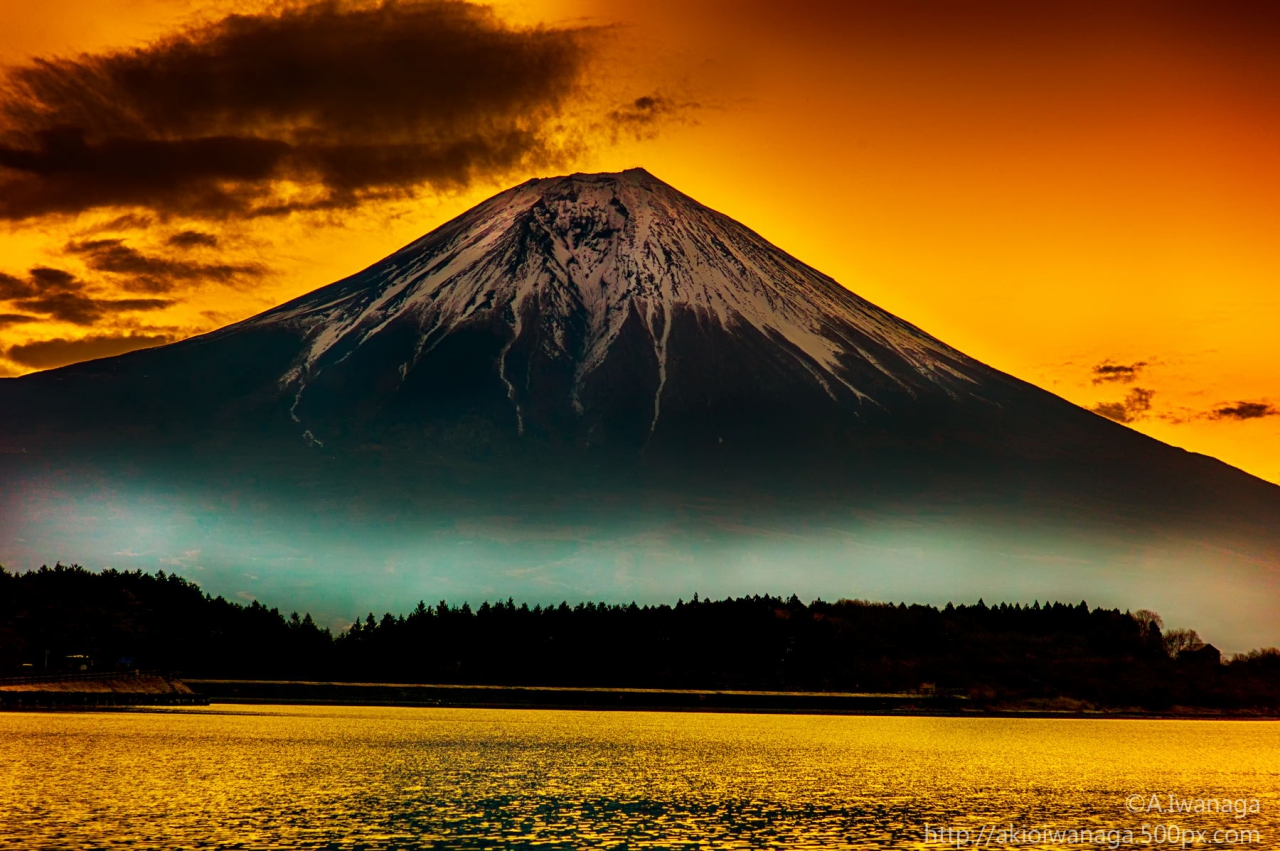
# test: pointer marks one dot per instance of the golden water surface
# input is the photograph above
(375, 778)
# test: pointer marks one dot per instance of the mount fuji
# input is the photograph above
(594, 384)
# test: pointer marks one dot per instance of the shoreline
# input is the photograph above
(119, 689)
(901, 704)
(158, 692)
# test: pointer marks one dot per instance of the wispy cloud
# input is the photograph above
(1135, 406)
(192, 239)
(1110, 372)
(1245, 411)
(643, 116)
(8, 319)
(140, 272)
(58, 294)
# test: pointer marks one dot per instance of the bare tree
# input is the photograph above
(1179, 641)
(1146, 617)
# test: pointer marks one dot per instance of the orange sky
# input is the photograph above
(1049, 187)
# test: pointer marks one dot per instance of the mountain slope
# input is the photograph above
(574, 267)
(604, 313)
(604, 346)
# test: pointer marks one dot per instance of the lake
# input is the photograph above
(378, 778)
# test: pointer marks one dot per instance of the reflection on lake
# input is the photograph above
(372, 778)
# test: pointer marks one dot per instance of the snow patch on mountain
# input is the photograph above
(605, 247)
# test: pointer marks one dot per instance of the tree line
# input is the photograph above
(120, 619)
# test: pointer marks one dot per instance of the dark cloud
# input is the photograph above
(1223, 411)
(146, 273)
(81, 309)
(193, 239)
(1245, 411)
(53, 280)
(7, 319)
(40, 281)
(1109, 372)
(63, 172)
(58, 294)
(47, 354)
(644, 115)
(14, 287)
(1135, 406)
(129, 221)
(349, 102)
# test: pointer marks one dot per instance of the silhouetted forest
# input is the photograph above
(58, 617)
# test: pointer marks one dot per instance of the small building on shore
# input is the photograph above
(1207, 656)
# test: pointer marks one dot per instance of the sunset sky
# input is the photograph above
(1083, 194)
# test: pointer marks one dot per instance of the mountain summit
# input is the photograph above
(576, 285)
(598, 351)
(596, 309)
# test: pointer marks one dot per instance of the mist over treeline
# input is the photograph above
(62, 618)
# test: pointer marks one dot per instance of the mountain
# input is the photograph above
(596, 353)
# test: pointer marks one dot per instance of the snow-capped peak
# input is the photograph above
(598, 248)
